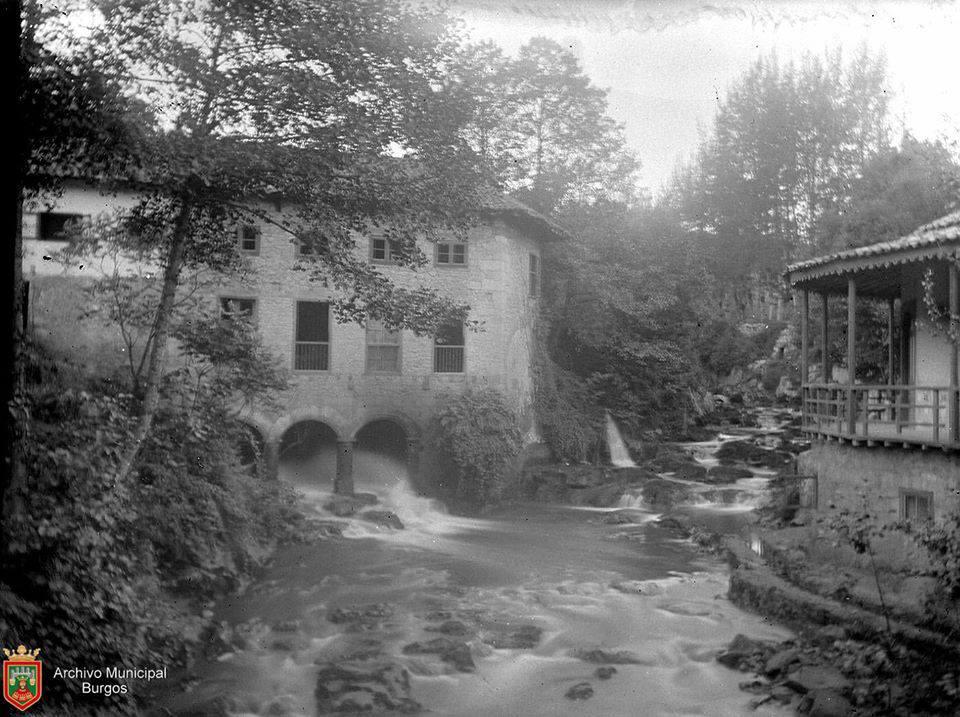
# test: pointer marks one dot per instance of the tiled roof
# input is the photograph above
(938, 239)
(506, 205)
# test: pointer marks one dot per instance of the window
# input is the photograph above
(383, 348)
(238, 306)
(312, 244)
(451, 253)
(382, 250)
(448, 348)
(248, 238)
(312, 348)
(916, 505)
(55, 226)
(534, 276)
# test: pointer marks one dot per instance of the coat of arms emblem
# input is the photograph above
(22, 677)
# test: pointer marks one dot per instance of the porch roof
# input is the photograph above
(877, 267)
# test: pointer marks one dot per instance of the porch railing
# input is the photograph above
(921, 415)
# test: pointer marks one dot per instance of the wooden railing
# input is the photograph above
(920, 415)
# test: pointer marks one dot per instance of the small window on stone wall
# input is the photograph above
(916, 505)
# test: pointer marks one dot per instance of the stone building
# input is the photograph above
(350, 379)
(894, 447)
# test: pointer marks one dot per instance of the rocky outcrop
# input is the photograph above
(367, 688)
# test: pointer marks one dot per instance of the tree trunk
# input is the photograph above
(15, 415)
(161, 329)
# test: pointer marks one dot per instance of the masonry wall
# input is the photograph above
(494, 282)
(857, 477)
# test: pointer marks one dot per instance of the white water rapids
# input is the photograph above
(636, 589)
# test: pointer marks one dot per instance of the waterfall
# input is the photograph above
(619, 455)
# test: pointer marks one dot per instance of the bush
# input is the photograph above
(479, 434)
(96, 568)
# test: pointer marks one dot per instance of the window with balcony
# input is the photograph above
(240, 307)
(448, 348)
(534, 276)
(383, 348)
(451, 253)
(56, 226)
(916, 505)
(248, 239)
(312, 345)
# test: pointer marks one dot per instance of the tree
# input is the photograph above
(900, 189)
(338, 109)
(65, 118)
(542, 125)
(787, 145)
(621, 313)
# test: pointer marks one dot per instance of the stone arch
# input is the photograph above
(409, 426)
(390, 435)
(321, 414)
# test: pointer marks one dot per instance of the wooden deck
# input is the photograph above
(924, 416)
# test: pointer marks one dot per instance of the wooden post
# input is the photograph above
(891, 306)
(825, 340)
(804, 337)
(954, 403)
(851, 355)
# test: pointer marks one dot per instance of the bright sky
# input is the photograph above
(667, 63)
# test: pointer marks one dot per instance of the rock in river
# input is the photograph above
(383, 518)
(454, 652)
(383, 687)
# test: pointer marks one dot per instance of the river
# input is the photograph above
(532, 610)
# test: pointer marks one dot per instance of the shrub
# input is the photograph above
(479, 434)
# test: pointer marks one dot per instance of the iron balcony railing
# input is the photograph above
(448, 359)
(921, 415)
(311, 356)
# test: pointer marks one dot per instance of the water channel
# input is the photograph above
(521, 612)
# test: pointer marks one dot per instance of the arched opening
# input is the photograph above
(250, 448)
(381, 456)
(308, 454)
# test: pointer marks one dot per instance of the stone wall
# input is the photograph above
(855, 477)
(495, 283)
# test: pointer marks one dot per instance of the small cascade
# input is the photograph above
(619, 455)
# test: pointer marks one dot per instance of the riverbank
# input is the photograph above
(852, 654)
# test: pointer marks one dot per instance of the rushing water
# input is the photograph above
(637, 591)
(619, 455)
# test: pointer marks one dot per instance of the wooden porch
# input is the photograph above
(899, 411)
(887, 415)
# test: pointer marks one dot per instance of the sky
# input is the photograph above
(667, 64)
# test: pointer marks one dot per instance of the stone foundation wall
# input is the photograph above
(858, 477)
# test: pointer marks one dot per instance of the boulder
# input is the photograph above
(601, 496)
(663, 493)
(727, 474)
(383, 518)
(608, 657)
(605, 672)
(812, 678)
(618, 518)
(453, 652)
(377, 688)
(580, 691)
(829, 703)
(779, 661)
(742, 650)
(524, 637)
(366, 618)
(691, 471)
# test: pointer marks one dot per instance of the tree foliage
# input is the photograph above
(787, 144)
(479, 433)
(542, 126)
